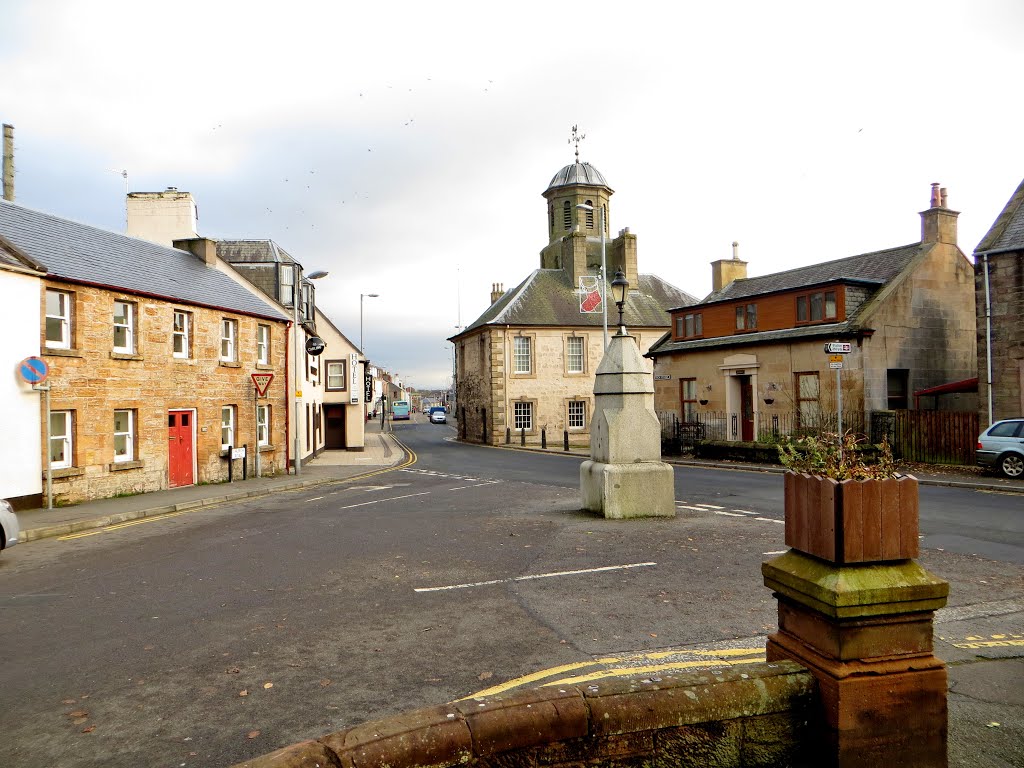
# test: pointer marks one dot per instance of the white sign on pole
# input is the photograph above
(354, 379)
(837, 366)
(838, 347)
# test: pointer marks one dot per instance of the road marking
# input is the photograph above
(464, 487)
(727, 514)
(709, 506)
(119, 526)
(744, 511)
(392, 498)
(777, 552)
(533, 577)
(692, 509)
(715, 657)
(769, 520)
(315, 498)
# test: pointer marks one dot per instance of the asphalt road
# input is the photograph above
(221, 634)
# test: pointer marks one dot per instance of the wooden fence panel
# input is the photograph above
(935, 437)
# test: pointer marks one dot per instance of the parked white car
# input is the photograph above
(1001, 447)
(8, 525)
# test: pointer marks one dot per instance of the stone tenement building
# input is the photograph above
(527, 364)
(151, 352)
(999, 292)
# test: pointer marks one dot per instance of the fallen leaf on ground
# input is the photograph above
(653, 634)
(268, 685)
(484, 675)
(252, 734)
(78, 713)
(324, 683)
(69, 701)
(89, 729)
(232, 670)
(80, 720)
(148, 647)
(243, 692)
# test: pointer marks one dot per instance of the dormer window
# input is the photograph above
(567, 215)
(816, 307)
(690, 326)
(746, 317)
(590, 214)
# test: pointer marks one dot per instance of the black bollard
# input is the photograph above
(522, 436)
(565, 439)
(543, 438)
(508, 435)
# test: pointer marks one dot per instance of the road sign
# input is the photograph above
(835, 358)
(33, 370)
(837, 366)
(838, 347)
(262, 381)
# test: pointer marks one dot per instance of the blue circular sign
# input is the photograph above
(34, 370)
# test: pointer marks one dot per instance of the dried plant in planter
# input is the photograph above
(841, 457)
(844, 509)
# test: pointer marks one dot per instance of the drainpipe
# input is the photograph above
(988, 341)
(287, 410)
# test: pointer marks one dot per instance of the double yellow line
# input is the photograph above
(410, 460)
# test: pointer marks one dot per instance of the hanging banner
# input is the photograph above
(590, 294)
(353, 378)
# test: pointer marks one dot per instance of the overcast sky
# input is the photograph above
(404, 146)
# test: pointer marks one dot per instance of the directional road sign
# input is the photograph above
(838, 347)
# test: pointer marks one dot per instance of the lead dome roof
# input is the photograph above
(578, 174)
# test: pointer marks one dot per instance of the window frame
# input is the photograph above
(287, 281)
(68, 437)
(128, 326)
(328, 364)
(581, 355)
(229, 411)
(262, 344)
(262, 424)
(805, 304)
(746, 317)
(688, 399)
(128, 435)
(64, 319)
(231, 339)
(522, 409)
(583, 421)
(799, 399)
(517, 355)
(185, 334)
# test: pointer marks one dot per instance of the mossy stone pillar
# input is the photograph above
(625, 476)
(864, 630)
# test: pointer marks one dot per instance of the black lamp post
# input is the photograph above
(620, 287)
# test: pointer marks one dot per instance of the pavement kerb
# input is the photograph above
(964, 484)
(77, 526)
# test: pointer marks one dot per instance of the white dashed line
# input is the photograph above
(534, 577)
(769, 520)
(727, 514)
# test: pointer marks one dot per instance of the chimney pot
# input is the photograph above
(942, 197)
(936, 201)
(736, 249)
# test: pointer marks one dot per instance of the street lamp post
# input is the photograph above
(296, 293)
(361, 297)
(604, 271)
(620, 286)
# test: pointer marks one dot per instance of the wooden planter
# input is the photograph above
(853, 521)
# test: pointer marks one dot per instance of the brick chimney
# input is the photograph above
(938, 223)
(202, 247)
(497, 291)
(724, 271)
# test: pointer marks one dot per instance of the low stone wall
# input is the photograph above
(756, 715)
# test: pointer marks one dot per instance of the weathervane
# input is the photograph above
(577, 137)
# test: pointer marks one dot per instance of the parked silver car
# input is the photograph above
(8, 525)
(1001, 447)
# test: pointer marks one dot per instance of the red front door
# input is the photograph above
(747, 408)
(179, 448)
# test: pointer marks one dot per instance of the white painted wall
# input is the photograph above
(21, 456)
(162, 217)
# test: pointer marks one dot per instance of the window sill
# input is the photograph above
(125, 356)
(229, 364)
(67, 472)
(61, 352)
(264, 367)
(267, 449)
(120, 466)
(181, 359)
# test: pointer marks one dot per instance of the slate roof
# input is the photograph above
(875, 269)
(84, 254)
(878, 267)
(548, 298)
(1007, 232)
(253, 252)
(12, 257)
